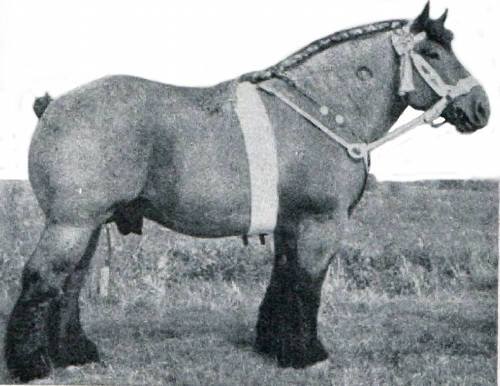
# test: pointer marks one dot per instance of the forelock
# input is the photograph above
(438, 33)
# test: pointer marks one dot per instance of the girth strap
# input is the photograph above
(262, 158)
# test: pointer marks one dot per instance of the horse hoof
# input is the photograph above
(32, 366)
(317, 352)
(77, 353)
(302, 358)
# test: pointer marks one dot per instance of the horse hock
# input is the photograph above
(52, 278)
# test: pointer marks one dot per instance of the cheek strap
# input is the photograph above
(404, 43)
(434, 80)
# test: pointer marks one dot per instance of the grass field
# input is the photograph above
(412, 298)
(201, 333)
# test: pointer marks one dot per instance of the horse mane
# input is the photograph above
(322, 44)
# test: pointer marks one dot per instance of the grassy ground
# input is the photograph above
(411, 299)
(201, 333)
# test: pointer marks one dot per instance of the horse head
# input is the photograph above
(468, 111)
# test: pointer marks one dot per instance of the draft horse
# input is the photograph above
(121, 149)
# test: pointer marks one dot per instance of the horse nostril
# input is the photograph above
(480, 109)
(480, 114)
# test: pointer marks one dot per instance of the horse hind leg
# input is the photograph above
(68, 344)
(56, 256)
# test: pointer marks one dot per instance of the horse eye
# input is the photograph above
(431, 54)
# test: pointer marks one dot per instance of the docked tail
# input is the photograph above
(41, 103)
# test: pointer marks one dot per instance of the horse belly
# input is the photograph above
(209, 203)
(199, 181)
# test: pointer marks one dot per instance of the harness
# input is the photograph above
(259, 136)
(404, 43)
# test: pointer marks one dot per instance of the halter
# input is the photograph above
(404, 43)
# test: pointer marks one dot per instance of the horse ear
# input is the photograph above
(419, 23)
(443, 17)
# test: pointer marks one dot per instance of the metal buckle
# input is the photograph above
(359, 151)
(437, 124)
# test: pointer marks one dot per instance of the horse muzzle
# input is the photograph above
(469, 112)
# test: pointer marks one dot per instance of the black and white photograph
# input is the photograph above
(249, 193)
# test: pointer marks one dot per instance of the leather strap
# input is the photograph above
(304, 109)
(262, 157)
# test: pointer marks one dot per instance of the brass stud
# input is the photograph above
(339, 119)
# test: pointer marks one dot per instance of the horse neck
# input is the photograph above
(358, 79)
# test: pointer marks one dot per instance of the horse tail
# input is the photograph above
(41, 104)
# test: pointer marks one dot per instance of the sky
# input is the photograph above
(56, 45)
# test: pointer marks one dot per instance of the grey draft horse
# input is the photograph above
(121, 149)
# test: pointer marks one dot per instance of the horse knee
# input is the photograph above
(317, 243)
(55, 257)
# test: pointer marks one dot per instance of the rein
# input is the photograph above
(403, 42)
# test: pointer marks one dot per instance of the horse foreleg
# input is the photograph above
(68, 344)
(27, 339)
(287, 325)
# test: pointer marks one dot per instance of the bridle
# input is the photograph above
(403, 41)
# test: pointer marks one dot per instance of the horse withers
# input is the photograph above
(121, 149)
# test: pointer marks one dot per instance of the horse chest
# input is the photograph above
(331, 186)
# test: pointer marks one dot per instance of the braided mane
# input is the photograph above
(320, 45)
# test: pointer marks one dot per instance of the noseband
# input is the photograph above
(404, 43)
